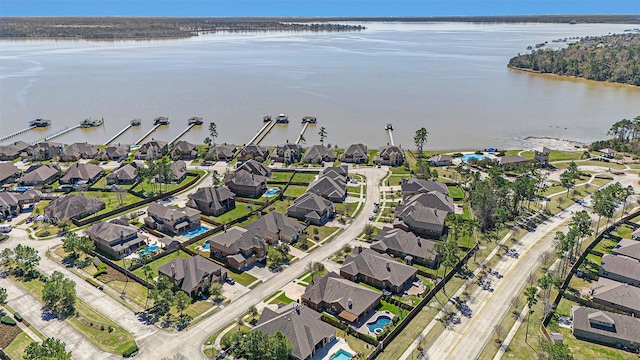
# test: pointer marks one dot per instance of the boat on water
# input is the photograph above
(40, 122)
(161, 120)
(195, 121)
(282, 119)
(389, 126)
(91, 122)
(266, 118)
(136, 122)
(310, 120)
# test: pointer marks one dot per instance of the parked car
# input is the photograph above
(370, 217)
(231, 281)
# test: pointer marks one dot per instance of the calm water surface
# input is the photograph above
(448, 77)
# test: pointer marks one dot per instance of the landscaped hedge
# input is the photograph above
(18, 317)
(131, 351)
(7, 320)
(92, 282)
(99, 272)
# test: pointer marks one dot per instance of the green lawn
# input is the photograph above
(346, 209)
(236, 328)
(162, 261)
(557, 155)
(112, 200)
(323, 231)
(195, 309)
(609, 165)
(605, 246)
(624, 231)
(455, 192)
(15, 350)
(281, 206)
(240, 210)
(242, 278)
(281, 176)
(295, 190)
(282, 298)
(304, 177)
(148, 188)
(134, 291)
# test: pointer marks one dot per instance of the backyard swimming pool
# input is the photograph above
(205, 246)
(272, 191)
(195, 232)
(468, 157)
(341, 355)
(149, 249)
(377, 326)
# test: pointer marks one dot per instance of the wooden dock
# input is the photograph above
(262, 130)
(265, 132)
(390, 133)
(304, 128)
(154, 128)
(56, 134)
(17, 133)
(182, 133)
(118, 134)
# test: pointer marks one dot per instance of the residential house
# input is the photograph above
(255, 168)
(178, 171)
(541, 154)
(620, 268)
(117, 239)
(239, 246)
(124, 175)
(170, 219)
(355, 154)
(414, 186)
(607, 153)
(390, 155)
(212, 201)
(245, 184)
(431, 199)
(221, 152)
(338, 173)
(617, 295)
(253, 152)
(11, 204)
(193, 275)
(287, 153)
(182, 150)
(338, 296)
(72, 206)
(304, 329)
(13, 151)
(441, 160)
(319, 153)
(605, 327)
(77, 151)
(627, 247)
(39, 175)
(312, 209)
(511, 161)
(115, 153)
(325, 186)
(422, 221)
(152, 150)
(406, 246)
(8, 173)
(277, 227)
(635, 235)
(169, 243)
(45, 150)
(88, 173)
(377, 270)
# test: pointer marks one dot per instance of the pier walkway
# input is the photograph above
(304, 128)
(265, 132)
(182, 134)
(390, 132)
(154, 128)
(56, 134)
(261, 131)
(17, 133)
(118, 134)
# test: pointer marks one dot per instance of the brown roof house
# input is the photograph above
(240, 247)
(277, 227)
(221, 152)
(72, 206)
(178, 171)
(390, 155)
(77, 151)
(12, 203)
(441, 160)
(414, 186)
(340, 297)
(605, 327)
(38, 175)
(302, 326)
(171, 220)
(45, 150)
(629, 248)
(620, 268)
(253, 152)
(115, 153)
(432, 199)
(356, 154)
(182, 150)
(115, 238)
(312, 209)
(193, 275)
(88, 173)
(125, 174)
(319, 153)
(212, 201)
(617, 295)
(406, 246)
(422, 221)
(8, 173)
(245, 184)
(328, 188)
(255, 168)
(287, 153)
(13, 151)
(378, 270)
(152, 150)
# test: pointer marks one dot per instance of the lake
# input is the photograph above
(450, 78)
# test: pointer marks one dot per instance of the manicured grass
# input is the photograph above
(346, 209)
(557, 155)
(605, 246)
(304, 177)
(148, 188)
(195, 309)
(400, 170)
(624, 231)
(162, 261)
(455, 193)
(243, 329)
(240, 210)
(242, 278)
(282, 298)
(594, 258)
(356, 344)
(112, 199)
(604, 164)
(323, 231)
(281, 206)
(134, 291)
(281, 176)
(16, 349)
(295, 190)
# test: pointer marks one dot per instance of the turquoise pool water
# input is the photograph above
(195, 232)
(468, 157)
(205, 246)
(272, 191)
(380, 323)
(148, 250)
(341, 355)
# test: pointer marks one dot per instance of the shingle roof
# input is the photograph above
(12, 199)
(311, 202)
(179, 169)
(165, 212)
(318, 152)
(334, 289)
(299, 324)
(71, 206)
(378, 266)
(14, 149)
(512, 159)
(237, 239)
(275, 223)
(355, 149)
(617, 293)
(124, 172)
(183, 147)
(431, 199)
(403, 242)
(222, 150)
(114, 152)
(7, 170)
(79, 150)
(326, 187)
(190, 271)
(110, 231)
(414, 185)
(254, 151)
(255, 168)
(417, 214)
(625, 327)
(244, 178)
(208, 199)
(621, 265)
(39, 173)
(387, 150)
(81, 171)
(628, 247)
(440, 158)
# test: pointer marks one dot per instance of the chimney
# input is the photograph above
(388, 266)
(419, 243)
(350, 303)
(121, 233)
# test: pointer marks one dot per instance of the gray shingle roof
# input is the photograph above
(208, 199)
(378, 266)
(404, 242)
(7, 170)
(80, 150)
(244, 178)
(625, 327)
(190, 271)
(82, 172)
(275, 223)
(432, 199)
(39, 173)
(239, 239)
(356, 149)
(317, 153)
(115, 152)
(628, 247)
(179, 169)
(311, 202)
(110, 231)
(512, 159)
(71, 206)
(617, 293)
(125, 172)
(414, 185)
(328, 188)
(621, 265)
(440, 158)
(222, 150)
(165, 212)
(255, 168)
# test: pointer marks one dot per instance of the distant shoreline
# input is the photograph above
(569, 77)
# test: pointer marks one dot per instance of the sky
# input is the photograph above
(362, 8)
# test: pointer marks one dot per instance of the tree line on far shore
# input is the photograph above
(612, 58)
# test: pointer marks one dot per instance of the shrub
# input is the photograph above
(101, 266)
(131, 351)
(7, 320)
(18, 317)
(100, 272)
(92, 282)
